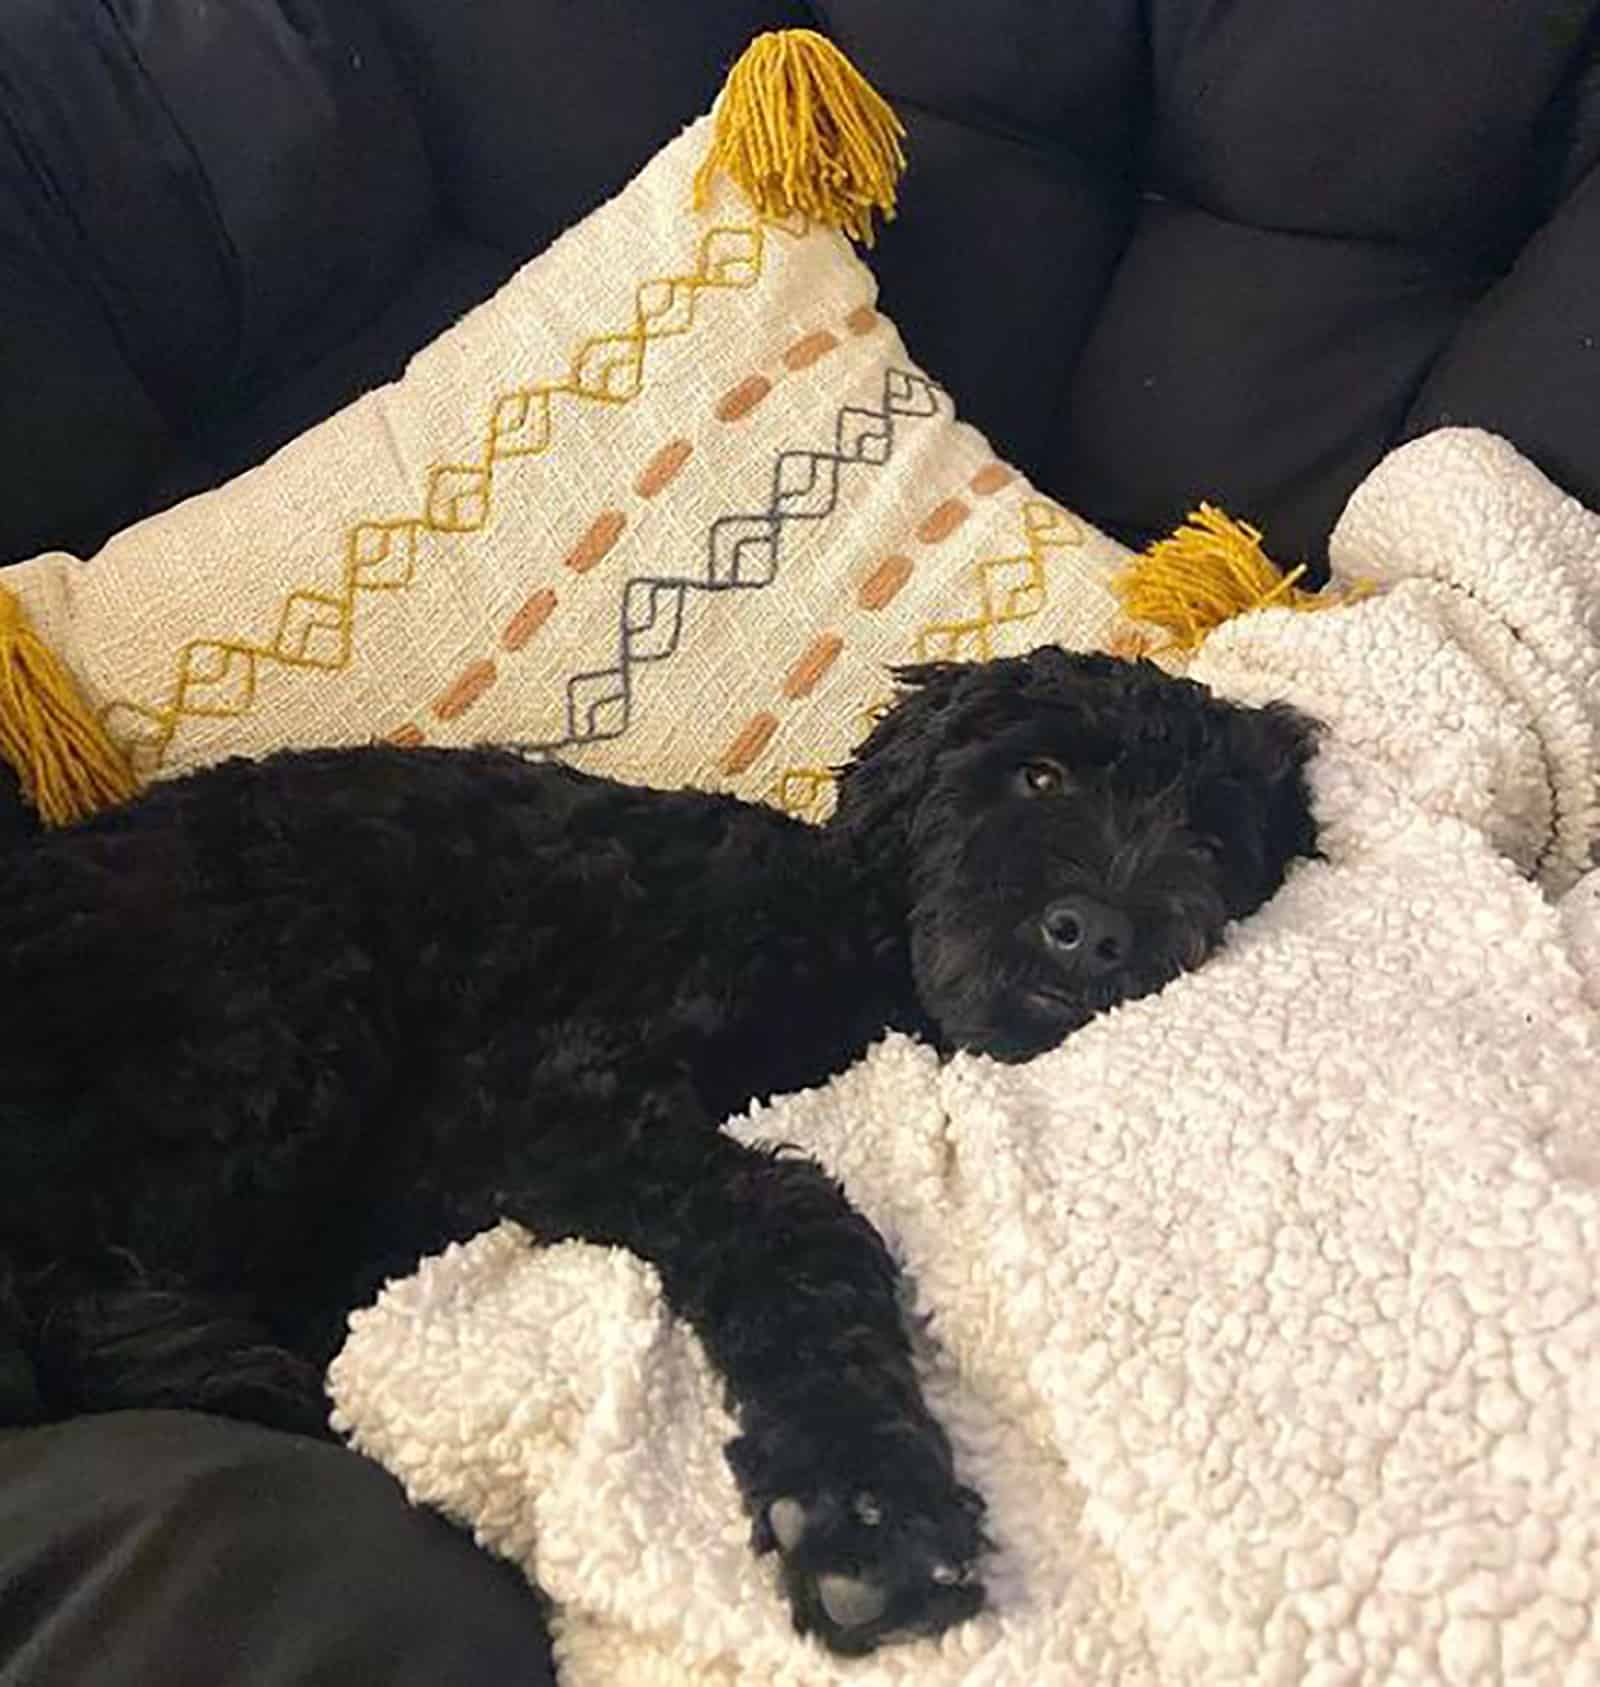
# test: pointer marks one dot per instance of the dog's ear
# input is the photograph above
(883, 779)
(934, 681)
(1260, 806)
(1052, 665)
(1285, 743)
(1272, 745)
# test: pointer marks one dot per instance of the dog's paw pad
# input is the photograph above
(787, 1520)
(851, 1602)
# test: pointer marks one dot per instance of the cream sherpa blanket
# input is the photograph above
(1263, 1312)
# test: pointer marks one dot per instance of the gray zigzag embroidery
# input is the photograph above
(743, 553)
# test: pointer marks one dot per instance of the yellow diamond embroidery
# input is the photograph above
(217, 681)
(803, 792)
(382, 557)
(313, 631)
(1010, 588)
(458, 498)
(521, 425)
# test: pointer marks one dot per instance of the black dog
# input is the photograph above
(276, 1030)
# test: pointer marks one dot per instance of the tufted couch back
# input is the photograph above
(1159, 249)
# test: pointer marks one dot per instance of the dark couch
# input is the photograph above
(1159, 250)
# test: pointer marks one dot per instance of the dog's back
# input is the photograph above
(207, 995)
(152, 987)
(228, 1002)
(227, 970)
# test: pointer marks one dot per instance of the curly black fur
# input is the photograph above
(277, 1029)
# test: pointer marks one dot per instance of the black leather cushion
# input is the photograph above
(146, 1548)
(196, 203)
(1159, 251)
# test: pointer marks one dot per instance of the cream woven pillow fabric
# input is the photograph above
(667, 505)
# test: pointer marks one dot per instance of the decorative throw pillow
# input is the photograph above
(668, 505)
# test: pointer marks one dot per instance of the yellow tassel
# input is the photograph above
(68, 766)
(1207, 572)
(800, 129)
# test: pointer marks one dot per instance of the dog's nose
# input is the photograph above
(1088, 934)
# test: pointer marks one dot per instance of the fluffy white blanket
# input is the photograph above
(1263, 1312)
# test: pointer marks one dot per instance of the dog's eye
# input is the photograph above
(1042, 778)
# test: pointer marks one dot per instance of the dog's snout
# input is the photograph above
(1089, 935)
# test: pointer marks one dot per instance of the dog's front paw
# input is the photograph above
(876, 1538)
(859, 1571)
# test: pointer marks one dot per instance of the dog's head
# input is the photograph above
(1073, 831)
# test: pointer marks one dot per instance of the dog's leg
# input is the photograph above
(843, 1468)
(20, 1400)
(841, 1465)
(116, 1347)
